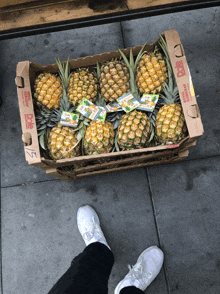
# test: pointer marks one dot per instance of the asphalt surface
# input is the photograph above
(175, 206)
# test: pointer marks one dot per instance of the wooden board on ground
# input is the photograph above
(21, 14)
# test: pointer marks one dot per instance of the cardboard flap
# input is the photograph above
(28, 124)
(184, 84)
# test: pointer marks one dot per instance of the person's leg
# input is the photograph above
(142, 273)
(90, 270)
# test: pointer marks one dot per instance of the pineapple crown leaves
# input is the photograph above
(171, 93)
(116, 146)
(64, 72)
(114, 118)
(152, 126)
(45, 120)
(100, 101)
(132, 65)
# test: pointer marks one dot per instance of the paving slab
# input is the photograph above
(42, 49)
(40, 235)
(186, 202)
(198, 30)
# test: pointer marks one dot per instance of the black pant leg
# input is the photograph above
(89, 272)
(131, 290)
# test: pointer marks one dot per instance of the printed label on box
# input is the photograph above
(69, 119)
(148, 102)
(26, 96)
(128, 102)
(113, 107)
(91, 111)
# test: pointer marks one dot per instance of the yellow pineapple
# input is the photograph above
(61, 141)
(151, 73)
(114, 80)
(134, 130)
(170, 121)
(170, 124)
(99, 138)
(48, 90)
(82, 84)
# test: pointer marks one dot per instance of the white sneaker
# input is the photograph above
(89, 226)
(144, 271)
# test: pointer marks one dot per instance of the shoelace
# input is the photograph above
(136, 272)
(87, 236)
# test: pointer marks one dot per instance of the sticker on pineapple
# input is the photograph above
(91, 111)
(113, 107)
(69, 119)
(128, 102)
(148, 102)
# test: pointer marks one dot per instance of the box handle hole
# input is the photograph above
(19, 81)
(27, 139)
(178, 51)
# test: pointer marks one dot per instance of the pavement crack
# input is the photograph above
(157, 228)
(122, 33)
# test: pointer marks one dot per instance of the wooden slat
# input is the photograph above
(123, 168)
(6, 3)
(125, 161)
(33, 12)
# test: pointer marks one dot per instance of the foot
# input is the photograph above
(144, 271)
(89, 226)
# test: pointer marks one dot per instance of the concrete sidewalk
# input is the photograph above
(172, 206)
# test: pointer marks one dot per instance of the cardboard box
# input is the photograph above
(115, 161)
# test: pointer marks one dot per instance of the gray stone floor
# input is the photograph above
(173, 206)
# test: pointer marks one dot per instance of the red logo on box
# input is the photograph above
(180, 69)
(186, 96)
(28, 120)
(26, 95)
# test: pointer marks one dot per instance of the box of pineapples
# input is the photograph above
(120, 110)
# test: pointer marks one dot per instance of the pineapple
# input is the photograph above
(114, 80)
(133, 130)
(82, 84)
(48, 90)
(63, 142)
(151, 73)
(59, 141)
(99, 138)
(170, 121)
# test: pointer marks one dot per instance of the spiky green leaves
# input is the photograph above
(170, 91)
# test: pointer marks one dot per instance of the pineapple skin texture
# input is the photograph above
(151, 73)
(48, 90)
(62, 139)
(114, 80)
(99, 138)
(133, 130)
(82, 84)
(170, 124)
